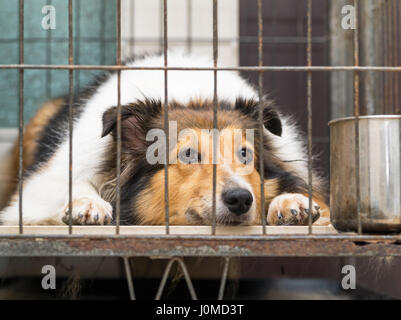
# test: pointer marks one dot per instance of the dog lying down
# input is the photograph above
(143, 143)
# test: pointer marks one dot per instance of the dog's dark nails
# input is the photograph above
(317, 216)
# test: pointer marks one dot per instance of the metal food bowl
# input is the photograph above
(379, 173)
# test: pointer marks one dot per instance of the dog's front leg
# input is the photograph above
(45, 202)
(88, 207)
(293, 209)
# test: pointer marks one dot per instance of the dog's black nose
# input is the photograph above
(237, 200)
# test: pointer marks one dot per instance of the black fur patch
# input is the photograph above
(138, 182)
(290, 183)
(287, 181)
(53, 134)
(271, 118)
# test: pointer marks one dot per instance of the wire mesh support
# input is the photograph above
(186, 276)
(128, 275)
(223, 280)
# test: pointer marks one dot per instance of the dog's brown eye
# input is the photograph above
(189, 156)
(245, 155)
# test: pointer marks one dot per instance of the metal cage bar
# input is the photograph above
(261, 125)
(166, 124)
(21, 115)
(356, 114)
(70, 112)
(215, 107)
(223, 281)
(49, 39)
(309, 110)
(396, 18)
(128, 276)
(173, 68)
(183, 40)
(118, 164)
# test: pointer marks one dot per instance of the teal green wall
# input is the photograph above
(94, 43)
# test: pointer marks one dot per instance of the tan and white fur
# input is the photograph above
(45, 191)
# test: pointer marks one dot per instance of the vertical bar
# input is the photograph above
(166, 125)
(21, 112)
(309, 107)
(49, 61)
(189, 26)
(118, 164)
(274, 44)
(397, 9)
(70, 113)
(261, 125)
(386, 58)
(383, 59)
(397, 108)
(356, 114)
(128, 275)
(390, 55)
(215, 105)
(300, 60)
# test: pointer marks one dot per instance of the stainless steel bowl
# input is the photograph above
(380, 173)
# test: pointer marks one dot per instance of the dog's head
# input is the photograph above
(191, 160)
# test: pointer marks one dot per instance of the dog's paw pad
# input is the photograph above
(86, 211)
(291, 209)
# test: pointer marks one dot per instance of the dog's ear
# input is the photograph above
(271, 118)
(136, 119)
(272, 122)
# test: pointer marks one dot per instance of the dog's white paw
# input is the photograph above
(291, 209)
(89, 210)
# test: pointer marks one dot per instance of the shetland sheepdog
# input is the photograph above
(195, 145)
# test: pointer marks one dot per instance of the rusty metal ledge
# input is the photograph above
(170, 246)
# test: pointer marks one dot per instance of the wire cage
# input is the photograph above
(174, 242)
